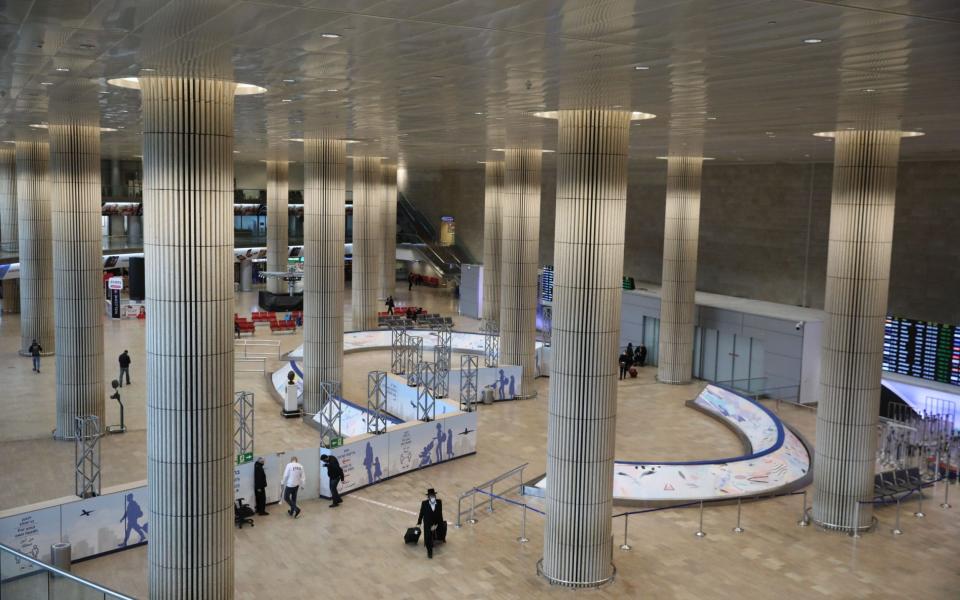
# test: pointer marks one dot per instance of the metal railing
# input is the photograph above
(250, 365)
(256, 348)
(764, 388)
(23, 576)
(479, 489)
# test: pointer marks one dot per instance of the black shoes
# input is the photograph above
(296, 515)
(264, 514)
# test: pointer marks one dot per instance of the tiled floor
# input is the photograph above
(357, 551)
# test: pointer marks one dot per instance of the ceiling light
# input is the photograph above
(330, 36)
(711, 118)
(833, 134)
(46, 83)
(236, 152)
(869, 90)
(133, 83)
(641, 68)
(286, 100)
(812, 41)
(478, 113)
(289, 80)
(634, 116)
(436, 77)
(63, 69)
(333, 90)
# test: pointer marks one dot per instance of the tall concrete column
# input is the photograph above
(77, 267)
(492, 231)
(8, 200)
(34, 223)
(188, 245)
(581, 423)
(858, 274)
(520, 253)
(278, 222)
(324, 197)
(134, 229)
(681, 234)
(388, 273)
(367, 241)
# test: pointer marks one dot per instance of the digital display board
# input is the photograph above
(546, 284)
(921, 349)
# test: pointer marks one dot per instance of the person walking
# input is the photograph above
(260, 487)
(624, 361)
(409, 281)
(390, 304)
(642, 355)
(335, 473)
(293, 477)
(35, 349)
(431, 515)
(124, 367)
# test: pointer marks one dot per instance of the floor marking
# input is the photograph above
(384, 505)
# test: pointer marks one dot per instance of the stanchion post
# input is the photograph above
(700, 533)
(473, 507)
(738, 529)
(896, 525)
(919, 514)
(804, 521)
(946, 491)
(523, 526)
(625, 546)
(490, 508)
(855, 530)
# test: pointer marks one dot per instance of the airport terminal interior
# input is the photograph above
(479, 299)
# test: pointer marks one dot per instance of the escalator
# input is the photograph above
(415, 230)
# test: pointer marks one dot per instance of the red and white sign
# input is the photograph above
(115, 283)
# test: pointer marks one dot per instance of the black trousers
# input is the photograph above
(334, 482)
(290, 496)
(623, 371)
(261, 500)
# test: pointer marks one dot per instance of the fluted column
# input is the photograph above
(581, 423)
(324, 187)
(8, 199)
(520, 205)
(278, 222)
(367, 241)
(388, 273)
(188, 250)
(77, 268)
(35, 231)
(858, 274)
(492, 231)
(678, 286)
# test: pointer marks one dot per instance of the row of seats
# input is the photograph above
(288, 324)
(891, 484)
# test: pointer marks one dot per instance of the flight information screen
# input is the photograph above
(921, 349)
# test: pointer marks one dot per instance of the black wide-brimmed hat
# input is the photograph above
(431, 492)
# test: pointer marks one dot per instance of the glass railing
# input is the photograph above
(23, 577)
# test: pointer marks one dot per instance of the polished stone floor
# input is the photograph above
(356, 550)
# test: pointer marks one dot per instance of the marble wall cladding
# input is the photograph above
(35, 235)
(278, 222)
(367, 241)
(492, 234)
(388, 272)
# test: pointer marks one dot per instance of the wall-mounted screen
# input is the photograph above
(921, 349)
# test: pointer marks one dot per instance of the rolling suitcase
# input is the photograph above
(412, 536)
(440, 535)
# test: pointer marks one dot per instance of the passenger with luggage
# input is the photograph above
(431, 515)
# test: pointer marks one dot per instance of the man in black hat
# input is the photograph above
(335, 473)
(431, 515)
(260, 487)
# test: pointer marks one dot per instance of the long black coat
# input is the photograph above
(429, 517)
(259, 477)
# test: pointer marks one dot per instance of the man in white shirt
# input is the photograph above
(293, 477)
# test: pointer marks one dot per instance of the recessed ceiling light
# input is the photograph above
(236, 152)
(869, 90)
(333, 90)
(711, 118)
(63, 69)
(289, 80)
(46, 83)
(286, 100)
(478, 113)
(812, 41)
(641, 68)
(330, 36)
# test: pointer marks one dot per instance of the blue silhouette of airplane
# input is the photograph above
(86, 513)
(466, 431)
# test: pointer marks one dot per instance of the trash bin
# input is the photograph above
(488, 396)
(60, 556)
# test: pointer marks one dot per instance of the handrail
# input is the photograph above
(64, 574)
(472, 492)
(255, 343)
(262, 360)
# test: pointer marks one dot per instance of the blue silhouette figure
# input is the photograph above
(377, 472)
(425, 454)
(513, 387)
(449, 444)
(502, 380)
(132, 514)
(439, 439)
(368, 462)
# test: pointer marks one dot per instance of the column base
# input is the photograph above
(575, 584)
(855, 531)
(678, 382)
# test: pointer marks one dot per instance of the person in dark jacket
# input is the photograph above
(335, 473)
(624, 361)
(390, 304)
(260, 487)
(642, 355)
(431, 515)
(124, 367)
(35, 349)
